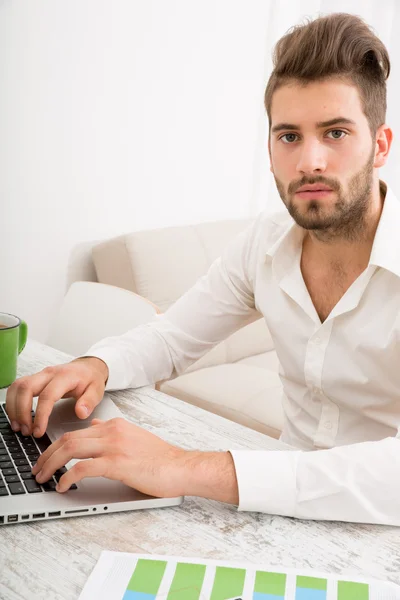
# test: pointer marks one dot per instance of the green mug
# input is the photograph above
(13, 336)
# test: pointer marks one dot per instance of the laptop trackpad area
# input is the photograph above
(63, 417)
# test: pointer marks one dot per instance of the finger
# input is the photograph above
(97, 421)
(96, 467)
(89, 400)
(78, 448)
(19, 398)
(80, 434)
(59, 386)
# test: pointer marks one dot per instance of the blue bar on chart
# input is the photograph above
(311, 588)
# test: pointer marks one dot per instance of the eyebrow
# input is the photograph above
(320, 124)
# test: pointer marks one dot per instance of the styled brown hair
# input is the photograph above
(338, 45)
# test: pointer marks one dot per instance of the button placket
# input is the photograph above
(328, 425)
(315, 355)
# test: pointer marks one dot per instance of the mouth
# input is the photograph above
(310, 193)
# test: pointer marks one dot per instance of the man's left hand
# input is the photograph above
(116, 449)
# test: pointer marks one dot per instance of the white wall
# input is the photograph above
(121, 115)
(116, 116)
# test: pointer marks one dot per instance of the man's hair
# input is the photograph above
(338, 45)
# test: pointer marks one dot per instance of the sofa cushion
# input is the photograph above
(251, 339)
(266, 360)
(245, 394)
(162, 264)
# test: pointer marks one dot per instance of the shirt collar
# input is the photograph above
(385, 251)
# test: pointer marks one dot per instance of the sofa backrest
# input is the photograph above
(162, 264)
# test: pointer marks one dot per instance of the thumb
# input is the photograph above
(88, 402)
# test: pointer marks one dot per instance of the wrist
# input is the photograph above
(98, 364)
(209, 475)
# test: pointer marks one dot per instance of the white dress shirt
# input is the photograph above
(341, 378)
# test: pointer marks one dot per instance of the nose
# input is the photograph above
(312, 158)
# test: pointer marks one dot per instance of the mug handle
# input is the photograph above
(23, 336)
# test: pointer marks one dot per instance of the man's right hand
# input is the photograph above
(83, 379)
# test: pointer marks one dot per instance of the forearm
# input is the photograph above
(209, 475)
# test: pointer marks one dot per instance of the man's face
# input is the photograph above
(306, 150)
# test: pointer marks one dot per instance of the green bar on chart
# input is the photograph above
(270, 583)
(147, 576)
(187, 582)
(311, 588)
(228, 583)
(350, 590)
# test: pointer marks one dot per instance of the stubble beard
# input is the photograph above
(347, 219)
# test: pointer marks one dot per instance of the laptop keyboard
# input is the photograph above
(18, 454)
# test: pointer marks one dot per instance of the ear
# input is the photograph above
(384, 137)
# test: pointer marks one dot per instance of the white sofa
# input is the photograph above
(237, 379)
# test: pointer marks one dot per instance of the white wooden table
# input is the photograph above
(53, 559)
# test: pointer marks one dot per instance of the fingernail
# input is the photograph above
(84, 409)
(34, 467)
(39, 476)
(25, 430)
(58, 487)
(14, 426)
(36, 431)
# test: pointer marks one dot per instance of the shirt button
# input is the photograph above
(328, 425)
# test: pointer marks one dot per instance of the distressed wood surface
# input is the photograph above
(53, 559)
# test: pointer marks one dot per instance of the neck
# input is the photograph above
(333, 247)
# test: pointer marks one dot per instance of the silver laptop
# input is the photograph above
(22, 499)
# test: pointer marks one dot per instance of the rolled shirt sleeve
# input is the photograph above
(359, 483)
(218, 304)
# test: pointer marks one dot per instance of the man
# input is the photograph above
(325, 273)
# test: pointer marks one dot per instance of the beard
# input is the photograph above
(346, 218)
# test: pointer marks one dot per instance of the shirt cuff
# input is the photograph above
(267, 480)
(117, 378)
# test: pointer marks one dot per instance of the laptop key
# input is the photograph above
(33, 456)
(16, 454)
(3, 491)
(25, 476)
(6, 465)
(21, 462)
(32, 486)
(12, 444)
(28, 443)
(25, 469)
(5, 428)
(16, 488)
(9, 472)
(49, 486)
(12, 479)
(43, 442)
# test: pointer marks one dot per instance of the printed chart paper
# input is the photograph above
(125, 576)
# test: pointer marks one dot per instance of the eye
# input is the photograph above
(337, 131)
(286, 135)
